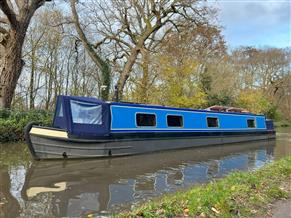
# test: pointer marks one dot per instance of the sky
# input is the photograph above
(255, 22)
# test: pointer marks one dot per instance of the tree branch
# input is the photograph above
(95, 57)
(11, 16)
(39, 3)
(4, 20)
(3, 30)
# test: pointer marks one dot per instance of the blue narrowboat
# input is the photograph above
(86, 127)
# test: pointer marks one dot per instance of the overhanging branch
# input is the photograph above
(11, 16)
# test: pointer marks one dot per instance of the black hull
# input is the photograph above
(49, 147)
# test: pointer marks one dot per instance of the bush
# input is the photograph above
(222, 98)
(12, 122)
(272, 112)
(283, 123)
(256, 102)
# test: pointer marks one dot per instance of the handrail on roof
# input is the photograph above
(227, 109)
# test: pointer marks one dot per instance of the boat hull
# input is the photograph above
(56, 145)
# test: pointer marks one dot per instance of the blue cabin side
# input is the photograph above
(123, 118)
(89, 117)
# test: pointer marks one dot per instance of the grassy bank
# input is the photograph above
(240, 193)
(12, 122)
(283, 123)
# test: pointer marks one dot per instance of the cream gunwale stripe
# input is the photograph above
(48, 132)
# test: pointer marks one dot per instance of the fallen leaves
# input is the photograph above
(202, 215)
(215, 210)
(186, 212)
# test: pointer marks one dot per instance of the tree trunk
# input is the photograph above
(145, 77)
(132, 58)
(10, 67)
(126, 72)
(31, 84)
(102, 64)
(49, 89)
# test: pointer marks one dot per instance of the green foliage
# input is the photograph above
(178, 86)
(205, 82)
(196, 100)
(252, 100)
(256, 102)
(283, 123)
(243, 193)
(12, 122)
(272, 112)
(221, 98)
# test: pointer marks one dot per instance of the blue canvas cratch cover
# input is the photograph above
(82, 116)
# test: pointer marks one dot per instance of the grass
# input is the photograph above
(241, 194)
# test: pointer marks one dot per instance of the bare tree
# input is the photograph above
(126, 27)
(14, 23)
(31, 47)
(261, 68)
(96, 58)
(55, 63)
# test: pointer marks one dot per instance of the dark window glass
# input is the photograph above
(212, 122)
(174, 121)
(146, 119)
(251, 123)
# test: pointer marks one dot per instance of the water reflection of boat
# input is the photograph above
(101, 184)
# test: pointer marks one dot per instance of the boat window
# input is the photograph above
(212, 122)
(251, 123)
(174, 121)
(145, 119)
(60, 112)
(86, 113)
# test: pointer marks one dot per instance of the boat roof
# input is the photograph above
(82, 98)
(212, 109)
(235, 112)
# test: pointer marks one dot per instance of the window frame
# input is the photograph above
(178, 115)
(218, 122)
(255, 123)
(136, 124)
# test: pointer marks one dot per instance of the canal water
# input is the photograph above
(106, 186)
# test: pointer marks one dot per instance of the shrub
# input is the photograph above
(255, 101)
(272, 112)
(283, 123)
(221, 98)
(12, 122)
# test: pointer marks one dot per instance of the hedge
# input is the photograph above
(12, 122)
